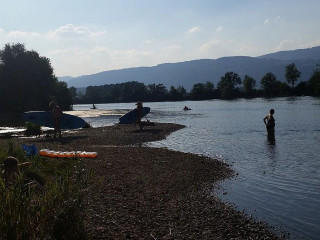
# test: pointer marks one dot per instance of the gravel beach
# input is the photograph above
(138, 192)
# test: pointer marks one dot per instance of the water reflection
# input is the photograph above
(271, 137)
(271, 151)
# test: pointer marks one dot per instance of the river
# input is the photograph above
(277, 182)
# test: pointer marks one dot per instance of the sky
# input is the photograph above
(86, 37)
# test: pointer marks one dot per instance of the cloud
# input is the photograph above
(273, 20)
(148, 41)
(72, 31)
(128, 54)
(18, 36)
(220, 28)
(315, 43)
(266, 21)
(193, 30)
(284, 45)
(76, 61)
(174, 47)
(208, 45)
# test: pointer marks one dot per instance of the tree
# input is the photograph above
(302, 89)
(314, 83)
(269, 84)
(249, 84)
(73, 94)
(27, 81)
(133, 91)
(209, 90)
(157, 92)
(173, 94)
(227, 85)
(182, 92)
(292, 74)
(197, 92)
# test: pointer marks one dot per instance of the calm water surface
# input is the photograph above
(278, 181)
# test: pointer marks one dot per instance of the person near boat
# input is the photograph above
(56, 115)
(140, 113)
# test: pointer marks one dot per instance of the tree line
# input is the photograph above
(27, 81)
(229, 87)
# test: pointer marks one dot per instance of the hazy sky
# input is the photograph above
(84, 37)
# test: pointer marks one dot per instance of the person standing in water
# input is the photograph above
(56, 115)
(269, 121)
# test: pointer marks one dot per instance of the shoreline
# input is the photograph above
(153, 193)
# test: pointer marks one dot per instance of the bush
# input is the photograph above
(32, 129)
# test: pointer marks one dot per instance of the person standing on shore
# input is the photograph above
(269, 121)
(56, 115)
(139, 109)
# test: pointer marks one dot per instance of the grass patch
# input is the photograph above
(45, 201)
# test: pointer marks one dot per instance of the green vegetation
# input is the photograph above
(314, 83)
(45, 201)
(227, 85)
(292, 74)
(32, 129)
(27, 81)
(269, 84)
(249, 83)
(230, 86)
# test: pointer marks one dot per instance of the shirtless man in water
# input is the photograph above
(269, 121)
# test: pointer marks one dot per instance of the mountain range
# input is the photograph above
(188, 73)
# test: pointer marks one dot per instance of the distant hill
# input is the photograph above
(302, 54)
(65, 79)
(188, 73)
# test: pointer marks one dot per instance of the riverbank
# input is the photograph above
(151, 193)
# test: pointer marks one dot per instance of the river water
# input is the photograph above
(278, 180)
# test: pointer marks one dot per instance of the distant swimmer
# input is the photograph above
(186, 108)
(269, 121)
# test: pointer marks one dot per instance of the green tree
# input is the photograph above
(173, 94)
(269, 84)
(198, 91)
(27, 81)
(73, 94)
(302, 89)
(227, 85)
(209, 90)
(62, 95)
(282, 89)
(157, 92)
(249, 84)
(292, 74)
(96, 94)
(182, 92)
(314, 83)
